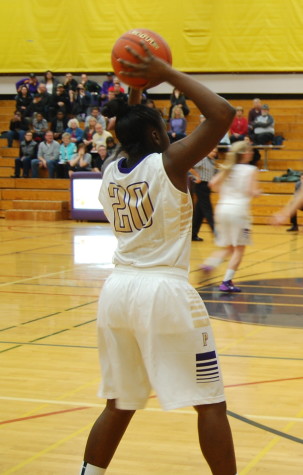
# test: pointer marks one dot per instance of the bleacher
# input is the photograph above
(44, 199)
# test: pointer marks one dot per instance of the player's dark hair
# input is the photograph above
(133, 124)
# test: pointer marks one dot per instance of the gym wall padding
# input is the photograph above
(204, 35)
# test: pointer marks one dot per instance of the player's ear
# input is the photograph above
(155, 136)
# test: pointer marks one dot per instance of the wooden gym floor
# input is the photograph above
(51, 275)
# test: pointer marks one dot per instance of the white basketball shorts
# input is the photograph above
(154, 332)
(232, 226)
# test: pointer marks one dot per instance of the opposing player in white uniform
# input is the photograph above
(236, 184)
(154, 330)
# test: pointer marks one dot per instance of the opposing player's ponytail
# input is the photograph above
(234, 156)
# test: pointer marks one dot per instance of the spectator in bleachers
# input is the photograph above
(93, 88)
(60, 100)
(80, 102)
(89, 84)
(48, 156)
(66, 152)
(81, 161)
(254, 112)
(58, 125)
(118, 90)
(105, 86)
(31, 83)
(100, 136)
(263, 127)
(75, 131)
(70, 85)
(239, 126)
(111, 146)
(96, 114)
(17, 128)
(50, 82)
(39, 127)
(42, 103)
(99, 158)
(177, 124)
(88, 133)
(23, 101)
(27, 152)
(178, 98)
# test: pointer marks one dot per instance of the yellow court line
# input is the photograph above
(148, 409)
(69, 393)
(46, 450)
(268, 447)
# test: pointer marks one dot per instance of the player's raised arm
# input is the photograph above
(182, 155)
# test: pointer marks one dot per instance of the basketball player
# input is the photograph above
(296, 203)
(237, 184)
(154, 330)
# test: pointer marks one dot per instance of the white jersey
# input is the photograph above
(235, 190)
(150, 217)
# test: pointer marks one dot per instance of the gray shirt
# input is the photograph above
(206, 168)
(49, 151)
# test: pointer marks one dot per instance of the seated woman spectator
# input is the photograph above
(177, 125)
(99, 158)
(28, 151)
(58, 125)
(81, 161)
(39, 127)
(23, 101)
(80, 102)
(177, 98)
(239, 127)
(263, 127)
(17, 128)
(67, 151)
(88, 133)
(75, 131)
(50, 82)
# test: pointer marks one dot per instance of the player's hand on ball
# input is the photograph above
(151, 67)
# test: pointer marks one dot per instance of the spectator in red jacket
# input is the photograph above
(239, 127)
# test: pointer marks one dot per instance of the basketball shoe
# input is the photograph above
(228, 286)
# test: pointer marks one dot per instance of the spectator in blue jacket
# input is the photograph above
(75, 131)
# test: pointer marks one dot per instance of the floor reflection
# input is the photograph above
(274, 302)
(92, 249)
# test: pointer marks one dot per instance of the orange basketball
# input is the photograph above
(132, 38)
